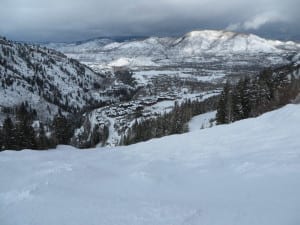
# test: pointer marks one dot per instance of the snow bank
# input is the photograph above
(245, 173)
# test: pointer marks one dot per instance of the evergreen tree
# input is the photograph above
(237, 107)
(24, 129)
(176, 121)
(263, 98)
(222, 109)
(9, 135)
(24, 133)
(246, 97)
(62, 129)
(42, 140)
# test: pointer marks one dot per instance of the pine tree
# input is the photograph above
(42, 140)
(24, 132)
(246, 97)
(262, 98)
(24, 129)
(177, 120)
(237, 108)
(9, 135)
(222, 108)
(228, 106)
(62, 129)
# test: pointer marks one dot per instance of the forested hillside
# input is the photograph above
(251, 97)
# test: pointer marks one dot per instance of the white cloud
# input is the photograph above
(257, 21)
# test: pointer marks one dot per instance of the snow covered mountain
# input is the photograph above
(192, 44)
(244, 173)
(224, 42)
(169, 50)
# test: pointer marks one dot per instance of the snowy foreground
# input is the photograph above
(246, 173)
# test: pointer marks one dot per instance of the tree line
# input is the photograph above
(19, 132)
(269, 90)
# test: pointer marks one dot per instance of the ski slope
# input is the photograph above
(245, 173)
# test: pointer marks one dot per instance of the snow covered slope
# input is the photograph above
(202, 121)
(208, 41)
(45, 78)
(244, 173)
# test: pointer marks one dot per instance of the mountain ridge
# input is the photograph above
(192, 34)
(171, 51)
(133, 38)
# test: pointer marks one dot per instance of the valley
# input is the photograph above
(175, 69)
(108, 85)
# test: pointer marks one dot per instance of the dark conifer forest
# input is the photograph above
(251, 97)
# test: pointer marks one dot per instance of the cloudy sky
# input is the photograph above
(69, 20)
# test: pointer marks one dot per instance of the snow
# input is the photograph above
(132, 62)
(120, 62)
(113, 138)
(161, 107)
(202, 121)
(296, 59)
(244, 173)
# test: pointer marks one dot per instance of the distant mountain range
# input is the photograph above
(170, 51)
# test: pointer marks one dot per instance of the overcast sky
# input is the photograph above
(69, 20)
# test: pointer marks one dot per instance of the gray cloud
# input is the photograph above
(63, 20)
